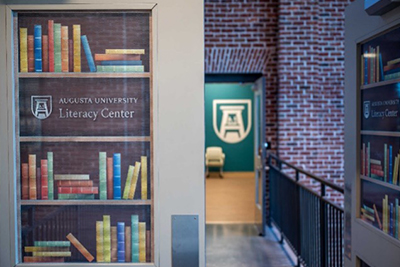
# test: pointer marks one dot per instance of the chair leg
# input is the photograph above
(220, 173)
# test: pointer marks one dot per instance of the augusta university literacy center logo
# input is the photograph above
(232, 119)
(367, 108)
(41, 106)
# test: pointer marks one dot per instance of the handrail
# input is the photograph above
(319, 179)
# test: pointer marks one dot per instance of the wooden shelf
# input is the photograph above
(83, 75)
(381, 183)
(381, 133)
(85, 139)
(74, 202)
(383, 83)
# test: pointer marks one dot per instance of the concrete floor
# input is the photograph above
(238, 245)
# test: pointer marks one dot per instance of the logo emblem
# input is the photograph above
(230, 117)
(41, 106)
(367, 107)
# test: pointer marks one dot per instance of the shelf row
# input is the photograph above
(83, 75)
(85, 139)
(85, 202)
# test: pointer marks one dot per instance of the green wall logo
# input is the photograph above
(228, 121)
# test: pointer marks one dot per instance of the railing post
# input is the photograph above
(323, 221)
(298, 212)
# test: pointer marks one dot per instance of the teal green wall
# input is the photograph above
(239, 156)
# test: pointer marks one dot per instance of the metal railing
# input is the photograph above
(311, 224)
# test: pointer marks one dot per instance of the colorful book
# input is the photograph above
(121, 241)
(107, 238)
(110, 177)
(108, 57)
(135, 237)
(386, 162)
(143, 160)
(117, 175)
(390, 164)
(128, 182)
(134, 180)
(32, 176)
(39, 249)
(366, 68)
(52, 254)
(42, 259)
(377, 217)
(50, 27)
(64, 49)
(45, 53)
(77, 183)
(23, 49)
(57, 48)
(80, 247)
(114, 244)
(52, 244)
(50, 174)
(392, 76)
(121, 62)
(77, 47)
(31, 54)
(71, 55)
(44, 179)
(38, 48)
(377, 64)
(71, 177)
(103, 175)
(78, 190)
(125, 51)
(75, 196)
(362, 69)
(142, 242)
(391, 219)
(38, 183)
(128, 243)
(25, 181)
(148, 246)
(101, 68)
(88, 53)
(395, 170)
(99, 241)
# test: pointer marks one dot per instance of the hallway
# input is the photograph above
(238, 245)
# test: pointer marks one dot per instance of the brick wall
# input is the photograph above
(302, 43)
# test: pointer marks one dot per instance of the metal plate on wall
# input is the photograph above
(185, 240)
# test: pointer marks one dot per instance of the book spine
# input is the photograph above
(142, 242)
(110, 177)
(80, 247)
(88, 53)
(75, 196)
(71, 55)
(25, 181)
(385, 162)
(78, 190)
(144, 177)
(57, 48)
(377, 217)
(121, 62)
(117, 175)
(99, 241)
(114, 244)
(64, 49)
(391, 219)
(66, 183)
(128, 182)
(77, 47)
(135, 237)
(52, 254)
(381, 67)
(43, 249)
(121, 241)
(38, 47)
(107, 238)
(31, 54)
(118, 57)
(377, 64)
(365, 68)
(50, 33)
(125, 51)
(148, 246)
(38, 183)
(23, 49)
(395, 167)
(32, 176)
(134, 180)
(60, 177)
(390, 165)
(103, 175)
(52, 244)
(384, 215)
(101, 68)
(50, 174)
(45, 53)
(396, 216)
(42, 259)
(128, 243)
(362, 69)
